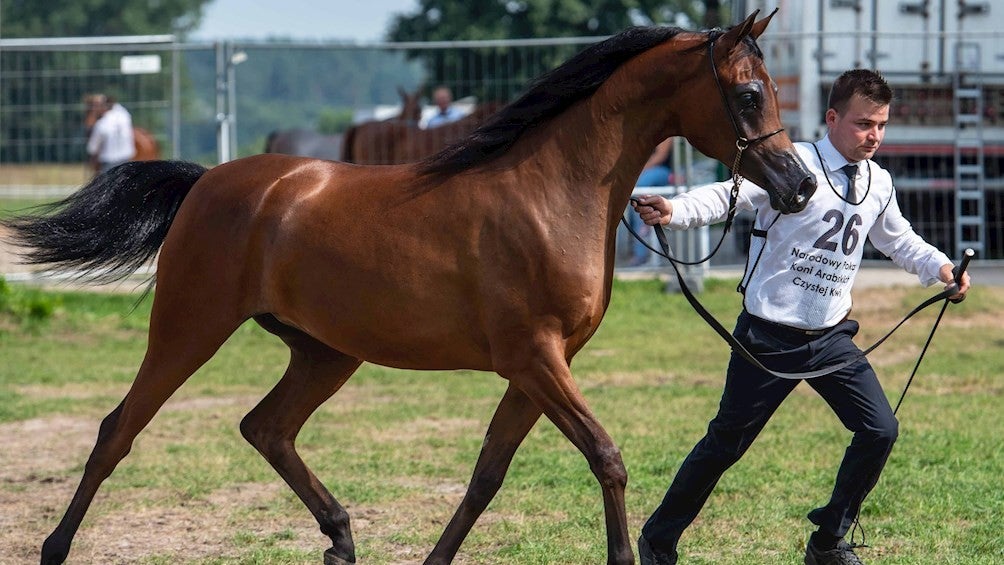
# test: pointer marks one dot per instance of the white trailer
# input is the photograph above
(945, 62)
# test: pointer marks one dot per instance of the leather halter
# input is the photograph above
(742, 142)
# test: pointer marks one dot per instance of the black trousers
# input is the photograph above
(749, 400)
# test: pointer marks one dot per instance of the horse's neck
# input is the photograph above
(606, 139)
(595, 153)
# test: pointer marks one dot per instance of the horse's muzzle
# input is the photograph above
(799, 199)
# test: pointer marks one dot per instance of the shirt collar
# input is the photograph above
(833, 159)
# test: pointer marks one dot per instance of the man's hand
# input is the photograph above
(947, 277)
(653, 209)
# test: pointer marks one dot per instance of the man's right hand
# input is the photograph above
(653, 209)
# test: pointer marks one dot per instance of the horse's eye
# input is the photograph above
(748, 100)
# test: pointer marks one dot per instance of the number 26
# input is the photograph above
(850, 239)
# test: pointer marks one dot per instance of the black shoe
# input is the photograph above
(840, 555)
(651, 556)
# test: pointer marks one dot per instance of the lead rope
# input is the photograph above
(741, 350)
(742, 143)
(930, 337)
(737, 179)
(857, 526)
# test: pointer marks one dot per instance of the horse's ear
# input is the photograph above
(736, 33)
(760, 26)
(402, 92)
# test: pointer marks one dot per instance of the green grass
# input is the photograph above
(15, 206)
(397, 447)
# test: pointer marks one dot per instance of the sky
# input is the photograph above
(354, 20)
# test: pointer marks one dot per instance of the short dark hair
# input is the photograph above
(865, 82)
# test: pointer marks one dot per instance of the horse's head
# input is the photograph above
(743, 128)
(411, 105)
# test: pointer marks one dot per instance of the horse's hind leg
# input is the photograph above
(315, 372)
(515, 416)
(178, 346)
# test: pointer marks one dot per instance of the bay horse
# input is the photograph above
(147, 146)
(498, 256)
(392, 143)
(310, 143)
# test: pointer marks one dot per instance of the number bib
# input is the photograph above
(801, 267)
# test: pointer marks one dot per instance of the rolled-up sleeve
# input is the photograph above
(893, 235)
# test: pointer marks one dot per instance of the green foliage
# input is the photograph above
(78, 18)
(331, 121)
(445, 20)
(24, 305)
(54, 84)
(283, 87)
(280, 86)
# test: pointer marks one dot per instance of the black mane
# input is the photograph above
(553, 92)
(548, 96)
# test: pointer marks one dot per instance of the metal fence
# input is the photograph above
(211, 102)
(43, 84)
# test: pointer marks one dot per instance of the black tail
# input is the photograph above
(109, 228)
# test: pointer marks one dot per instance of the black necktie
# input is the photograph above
(851, 170)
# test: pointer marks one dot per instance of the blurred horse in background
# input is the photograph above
(305, 143)
(387, 143)
(309, 143)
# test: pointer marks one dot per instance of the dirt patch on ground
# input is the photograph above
(42, 464)
(187, 532)
(41, 467)
(38, 448)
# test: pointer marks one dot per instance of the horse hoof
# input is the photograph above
(331, 559)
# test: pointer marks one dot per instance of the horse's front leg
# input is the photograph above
(545, 377)
(515, 416)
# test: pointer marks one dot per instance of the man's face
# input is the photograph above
(442, 98)
(96, 106)
(858, 131)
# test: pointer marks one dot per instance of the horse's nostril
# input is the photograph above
(805, 190)
(807, 187)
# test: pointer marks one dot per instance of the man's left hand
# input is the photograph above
(948, 278)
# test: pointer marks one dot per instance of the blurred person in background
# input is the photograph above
(110, 141)
(443, 98)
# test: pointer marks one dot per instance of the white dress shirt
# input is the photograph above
(442, 117)
(111, 137)
(801, 266)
